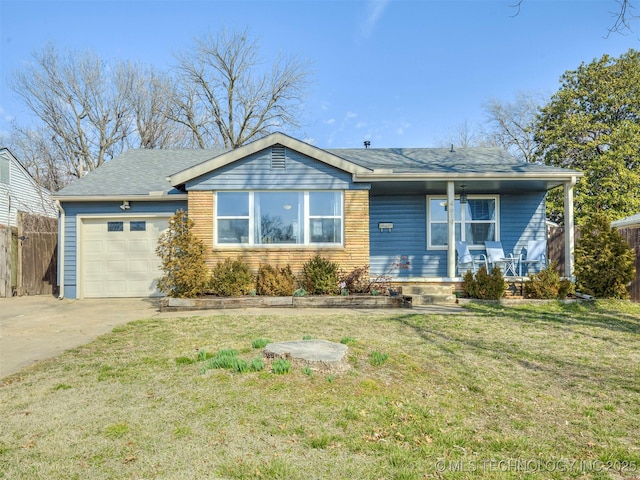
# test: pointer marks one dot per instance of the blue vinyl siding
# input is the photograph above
(522, 218)
(255, 173)
(408, 237)
(73, 209)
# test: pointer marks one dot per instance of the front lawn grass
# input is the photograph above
(546, 391)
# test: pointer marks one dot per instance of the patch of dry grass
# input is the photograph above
(550, 391)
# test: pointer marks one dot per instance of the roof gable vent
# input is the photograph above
(278, 157)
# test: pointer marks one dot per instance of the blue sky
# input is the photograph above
(397, 72)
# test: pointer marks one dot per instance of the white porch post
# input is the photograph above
(569, 237)
(451, 230)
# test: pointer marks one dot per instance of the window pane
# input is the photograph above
(323, 204)
(478, 233)
(440, 234)
(233, 231)
(438, 210)
(233, 204)
(278, 217)
(137, 226)
(115, 226)
(482, 209)
(326, 230)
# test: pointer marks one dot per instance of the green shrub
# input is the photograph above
(483, 285)
(231, 278)
(275, 281)
(546, 284)
(320, 276)
(604, 261)
(357, 280)
(185, 273)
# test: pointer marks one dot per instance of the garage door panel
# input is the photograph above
(116, 267)
(120, 263)
(93, 268)
(115, 247)
(140, 247)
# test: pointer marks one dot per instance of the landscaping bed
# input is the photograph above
(311, 301)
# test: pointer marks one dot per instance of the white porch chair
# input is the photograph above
(536, 254)
(466, 261)
(497, 257)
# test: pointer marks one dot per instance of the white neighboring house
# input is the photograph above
(20, 192)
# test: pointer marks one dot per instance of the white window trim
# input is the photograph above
(443, 198)
(307, 217)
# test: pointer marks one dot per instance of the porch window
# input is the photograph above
(475, 221)
(279, 218)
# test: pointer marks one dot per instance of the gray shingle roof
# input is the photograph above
(441, 160)
(137, 172)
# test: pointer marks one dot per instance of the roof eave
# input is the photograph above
(119, 198)
(405, 177)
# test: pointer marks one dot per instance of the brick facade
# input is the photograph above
(354, 253)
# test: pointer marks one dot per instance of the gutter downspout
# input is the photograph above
(61, 229)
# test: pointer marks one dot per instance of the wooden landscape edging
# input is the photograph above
(328, 301)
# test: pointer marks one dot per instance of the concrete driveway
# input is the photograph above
(40, 327)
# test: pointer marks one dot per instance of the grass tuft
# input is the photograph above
(280, 366)
(260, 342)
(377, 358)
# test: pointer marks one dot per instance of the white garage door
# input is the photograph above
(118, 257)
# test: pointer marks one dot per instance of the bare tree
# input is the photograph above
(465, 135)
(82, 103)
(623, 16)
(511, 124)
(230, 97)
(150, 99)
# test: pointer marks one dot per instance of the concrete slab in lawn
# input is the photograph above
(317, 354)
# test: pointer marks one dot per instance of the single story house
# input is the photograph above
(279, 200)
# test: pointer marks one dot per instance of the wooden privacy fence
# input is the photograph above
(29, 256)
(555, 244)
(37, 255)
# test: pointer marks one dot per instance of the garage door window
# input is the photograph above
(115, 226)
(138, 226)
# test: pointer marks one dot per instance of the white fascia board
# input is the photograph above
(184, 176)
(405, 177)
(120, 198)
